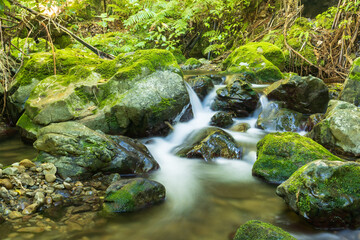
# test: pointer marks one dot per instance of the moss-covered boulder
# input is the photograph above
(202, 85)
(236, 97)
(129, 195)
(302, 94)
(340, 128)
(351, 90)
(259, 230)
(208, 144)
(264, 59)
(29, 46)
(40, 66)
(179, 56)
(279, 155)
(325, 193)
(221, 119)
(114, 43)
(133, 95)
(275, 118)
(80, 152)
(191, 64)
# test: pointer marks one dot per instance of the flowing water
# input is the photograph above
(208, 201)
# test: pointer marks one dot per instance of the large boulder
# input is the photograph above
(275, 118)
(302, 94)
(236, 97)
(209, 143)
(79, 152)
(325, 193)
(40, 66)
(133, 95)
(279, 155)
(340, 128)
(351, 90)
(129, 195)
(263, 59)
(259, 230)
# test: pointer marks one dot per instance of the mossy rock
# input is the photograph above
(62, 41)
(339, 130)
(236, 97)
(264, 59)
(28, 130)
(131, 195)
(325, 193)
(29, 46)
(180, 58)
(40, 66)
(208, 144)
(351, 90)
(302, 94)
(259, 230)
(191, 64)
(114, 43)
(133, 95)
(80, 152)
(279, 155)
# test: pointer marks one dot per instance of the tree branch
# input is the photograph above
(92, 48)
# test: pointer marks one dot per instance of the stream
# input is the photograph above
(204, 200)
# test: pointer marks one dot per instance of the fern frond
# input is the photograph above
(214, 48)
(139, 17)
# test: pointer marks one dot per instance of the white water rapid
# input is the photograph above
(208, 201)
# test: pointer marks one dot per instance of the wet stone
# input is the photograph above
(10, 171)
(241, 127)
(31, 230)
(6, 183)
(27, 163)
(15, 215)
(49, 168)
(25, 179)
(50, 178)
(30, 209)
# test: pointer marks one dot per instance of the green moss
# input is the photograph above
(28, 129)
(258, 230)
(265, 59)
(41, 65)
(163, 105)
(63, 41)
(115, 43)
(192, 62)
(329, 188)
(180, 58)
(279, 155)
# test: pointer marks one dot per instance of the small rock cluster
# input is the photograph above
(28, 189)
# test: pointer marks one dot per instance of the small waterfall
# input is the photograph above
(194, 100)
(264, 102)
